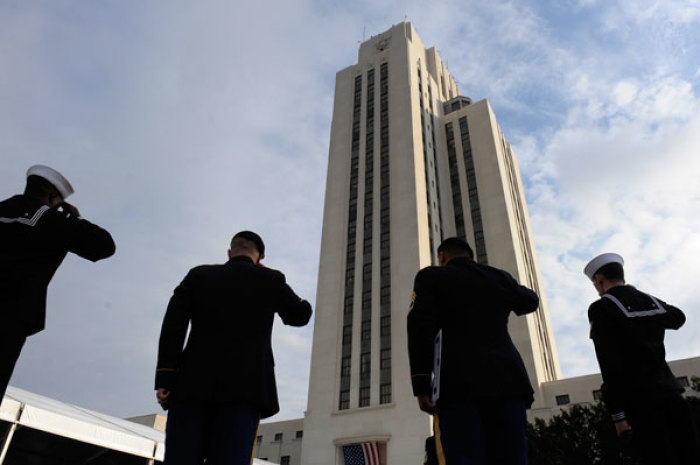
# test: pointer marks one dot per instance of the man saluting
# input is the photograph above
(222, 382)
(639, 389)
(483, 386)
(37, 230)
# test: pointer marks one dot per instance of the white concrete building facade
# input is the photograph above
(280, 442)
(411, 162)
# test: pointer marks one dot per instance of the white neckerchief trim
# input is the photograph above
(28, 221)
(619, 416)
(659, 310)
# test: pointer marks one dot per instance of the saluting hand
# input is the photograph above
(69, 209)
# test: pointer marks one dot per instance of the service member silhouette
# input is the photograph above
(220, 384)
(37, 230)
(479, 416)
(639, 389)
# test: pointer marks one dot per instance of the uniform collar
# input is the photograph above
(459, 260)
(241, 258)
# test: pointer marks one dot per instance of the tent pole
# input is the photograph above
(8, 439)
(150, 461)
(10, 434)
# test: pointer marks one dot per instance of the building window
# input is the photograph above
(364, 397)
(365, 364)
(597, 394)
(284, 460)
(385, 360)
(384, 295)
(344, 403)
(563, 399)
(366, 330)
(384, 271)
(300, 434)
(258, 439)
(683, 381)
(385, 326)
(347, 334)
(345, 366)
(278, 437)
(385, 393)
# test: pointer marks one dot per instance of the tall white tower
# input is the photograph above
(411, 162)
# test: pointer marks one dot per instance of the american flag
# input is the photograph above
(366, 453)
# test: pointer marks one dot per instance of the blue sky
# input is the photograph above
(180, 124)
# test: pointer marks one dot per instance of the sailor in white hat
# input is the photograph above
(639, 389)
(599, 262)
(37, 229)
(55, 178)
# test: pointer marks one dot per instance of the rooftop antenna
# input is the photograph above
(363, 32)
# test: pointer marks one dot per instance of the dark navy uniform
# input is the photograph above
(480, 365)
(34, 240)
(628, 329)
(227, 361)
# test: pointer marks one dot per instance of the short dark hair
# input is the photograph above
(612, 272)
(252, 237)
(39, 187)
(455, 246)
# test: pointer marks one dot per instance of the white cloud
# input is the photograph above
(625, 92)
(621, 175)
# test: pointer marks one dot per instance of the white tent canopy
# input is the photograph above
(40, 430)
(30, 416)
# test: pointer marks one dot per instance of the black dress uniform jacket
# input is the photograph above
(470, 302)
(628, 328)
(228, 356)
(34, 240)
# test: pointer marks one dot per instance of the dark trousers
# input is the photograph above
(663, 431)
(481, 432)
(223, 433)
(11, 343)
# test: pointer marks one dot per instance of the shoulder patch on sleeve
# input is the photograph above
(413, 301)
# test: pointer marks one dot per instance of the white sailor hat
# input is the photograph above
(54, 177)
(600, 261)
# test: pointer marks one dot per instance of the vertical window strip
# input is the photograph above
(435, 168)
(384, 231)
(428, 193)
(479, 239)
(460, 231)
(348, 301)
(366, 309)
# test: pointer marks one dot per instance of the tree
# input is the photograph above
(584, 435)
(695, 383)
(581, 435)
